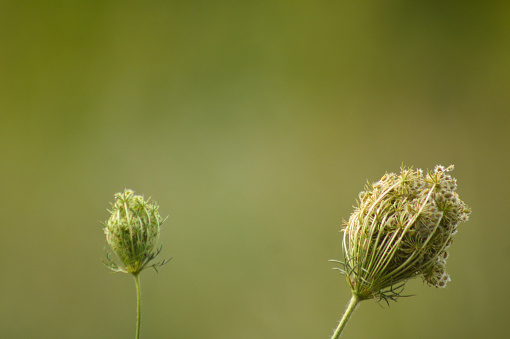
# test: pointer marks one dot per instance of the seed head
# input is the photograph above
(132, 231)
(402, 228)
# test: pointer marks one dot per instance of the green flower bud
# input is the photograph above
(132, 231)
(402, 228)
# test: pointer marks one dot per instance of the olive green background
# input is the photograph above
(254, 125)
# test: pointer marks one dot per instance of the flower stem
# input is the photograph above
(138, 304)
(353, 303)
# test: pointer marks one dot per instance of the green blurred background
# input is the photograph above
(254, 125)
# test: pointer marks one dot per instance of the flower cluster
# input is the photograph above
(132, 231)
(402, 228)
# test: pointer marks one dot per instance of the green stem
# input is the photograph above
(353, 303)
(138, 304)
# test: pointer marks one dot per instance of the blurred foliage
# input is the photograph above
(254, 125)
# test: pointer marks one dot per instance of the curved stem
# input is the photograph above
(138, 304)
(353, 303)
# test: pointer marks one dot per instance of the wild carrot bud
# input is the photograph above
(402, 228)
(132, 231)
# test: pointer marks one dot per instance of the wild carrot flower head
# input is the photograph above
(402, 228)
(132, 231)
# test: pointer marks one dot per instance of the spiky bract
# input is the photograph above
(132, 231)
(402, 228)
